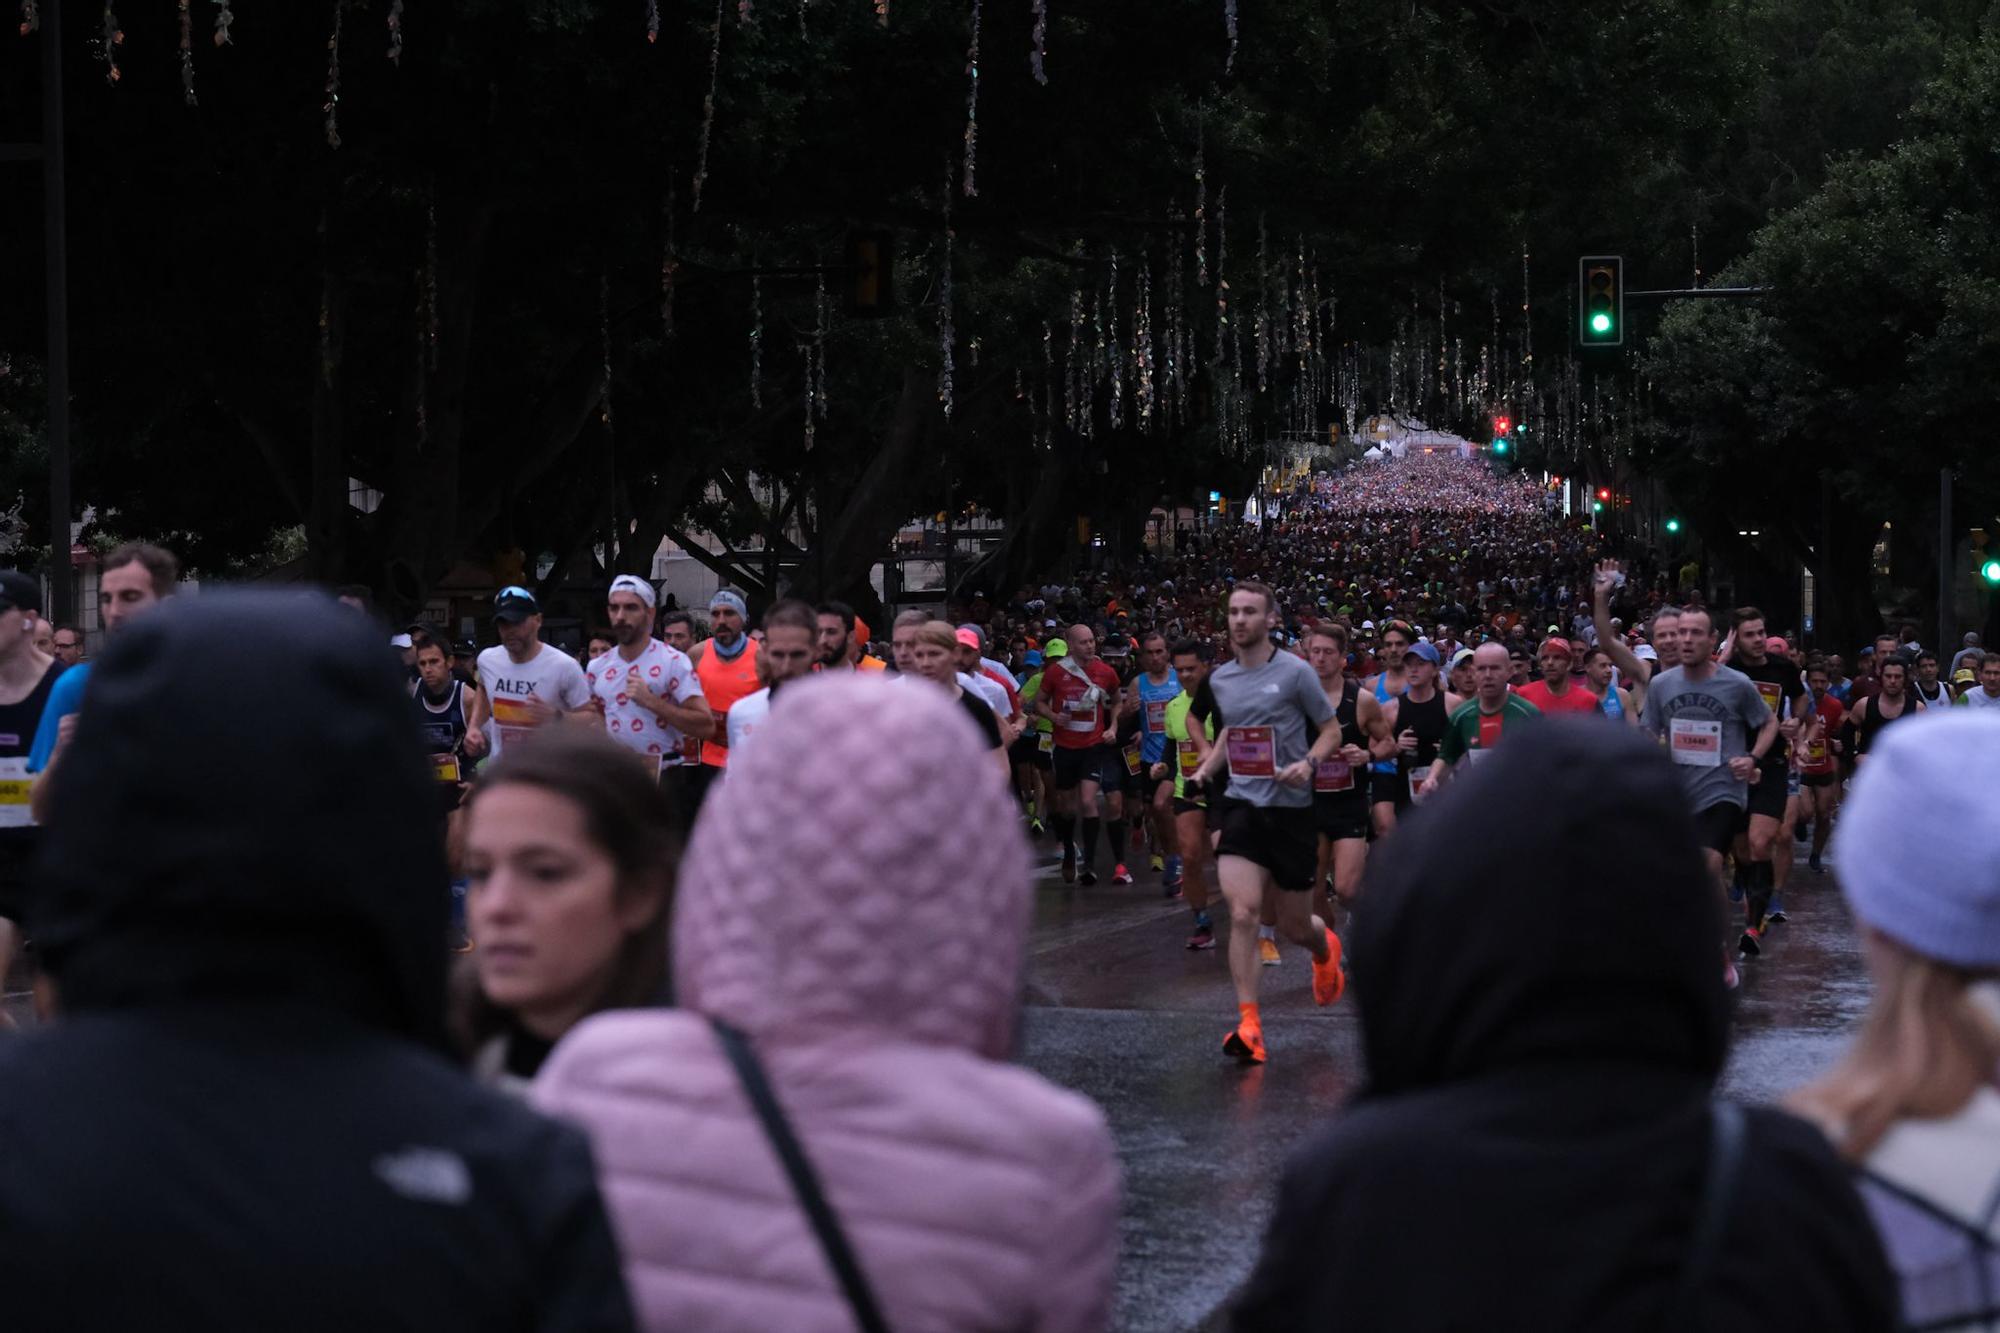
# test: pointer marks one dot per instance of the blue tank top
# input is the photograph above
(1613, 706)
(1382, 695)
(1153, 701)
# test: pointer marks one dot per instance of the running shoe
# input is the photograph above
(1035, 829)
(1730, 981)
(1267, 952)
(1246, 1043)
(1751, 943)
(1172, 868)
(1069, 865)
(1776, 916)
(1120, 875)
(1814, 864)
(1159, 863)
(1170, 888)
(1089, 877)
(1202, 938)
(1735, 893)
(1328, 980)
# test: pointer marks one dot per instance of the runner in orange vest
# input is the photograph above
(726, 663)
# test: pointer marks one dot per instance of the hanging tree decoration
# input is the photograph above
(1048, 384)
(1142, 348)
(332, 107)
(822, 320)
(395, 22)
(1200, 200)
(187, 52)
(223, 18)
(756, 340)
(652, 21)
(708, 105)
(1263, 331)
(604, 341)
(1221, 261)
(31, 17)
(947, 335)
(430, 294)
(1041, 39)
(108, 44)
(670, 266)
(1229, 26)
(972, 108)
(1115, 353)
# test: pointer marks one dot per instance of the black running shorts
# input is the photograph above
(1767, 793)
(1091, 763)
(1340, 815)
(1716, 827)
(1817, 779)
(1280, 838)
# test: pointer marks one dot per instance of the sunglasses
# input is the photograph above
(512, 590)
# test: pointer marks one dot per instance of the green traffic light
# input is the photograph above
(1597, 506)
(1600, 323)
(1499, 446)
(1990, 571)
(1673, 525)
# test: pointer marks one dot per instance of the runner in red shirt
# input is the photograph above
(1819, 767)
(1079, 695)
(1558, 691)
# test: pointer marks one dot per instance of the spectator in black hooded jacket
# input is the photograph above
(1544, 1020)
(244, 1117)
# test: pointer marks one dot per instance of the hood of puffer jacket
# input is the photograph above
(1551, 907)
(243, 840)
(862, 866)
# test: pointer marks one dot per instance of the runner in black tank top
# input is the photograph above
(1427, 719)
(18, 836)
(1895, 693)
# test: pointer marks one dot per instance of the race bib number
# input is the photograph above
(444, 768)
(1816, 752)
(1417, 777)
(1190, 761)
(1131, 753)
(1253, 752)
(1697, 744)
(1773, 695)
(1047, 743)
(690, 750)
(15, 786)
(1156, 715)
(1333, 775)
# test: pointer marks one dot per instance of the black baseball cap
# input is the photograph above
(514, 604)
(465, 648)
(18, 592)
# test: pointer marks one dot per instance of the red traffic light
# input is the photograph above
(1603, 493)
(1501, 425)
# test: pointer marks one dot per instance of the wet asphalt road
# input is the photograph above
(1119, 1010)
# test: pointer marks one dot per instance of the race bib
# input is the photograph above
(1131, 753)
(444, 768)
(690, 750)
(1698, 744)
(1190, 761)
(1047, 743)
(1333, 775)
(1253, 752)
(1417, 777)
(1773, 695)
(1156, 715)
(1816, 752)
(15, 786)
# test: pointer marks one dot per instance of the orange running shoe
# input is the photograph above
(1246, 1043)
(1267, 952)
(1328, 980)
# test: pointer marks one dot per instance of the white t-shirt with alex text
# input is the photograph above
(551, 676)
(664, 671)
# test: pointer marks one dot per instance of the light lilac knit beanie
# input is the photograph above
(861, 866)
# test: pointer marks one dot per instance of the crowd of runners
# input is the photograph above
(1243, 716)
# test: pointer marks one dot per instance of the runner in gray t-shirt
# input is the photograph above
(1717, 729)
(1265, 699)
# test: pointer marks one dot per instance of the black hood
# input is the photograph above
(1550, 906)
(245, 814)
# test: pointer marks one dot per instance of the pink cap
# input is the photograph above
(968, 639)
(1774, 644)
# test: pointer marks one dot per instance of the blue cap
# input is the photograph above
(1425, 649)
(1034, 657)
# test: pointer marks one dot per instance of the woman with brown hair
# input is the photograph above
(570, 850)
(1913, 1104)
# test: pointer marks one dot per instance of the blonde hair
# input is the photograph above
(938, 634)
(1927, 1045)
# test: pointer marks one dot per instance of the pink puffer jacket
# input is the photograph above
(855, 898)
